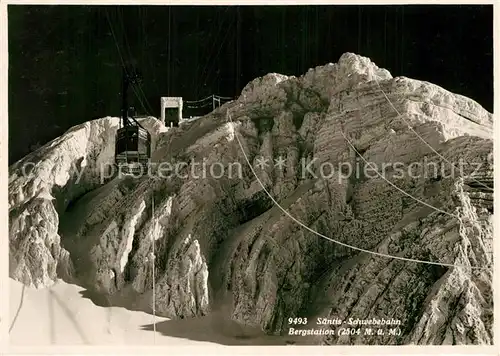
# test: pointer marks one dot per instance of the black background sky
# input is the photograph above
(64, 67)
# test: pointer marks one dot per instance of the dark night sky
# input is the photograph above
(64, 67)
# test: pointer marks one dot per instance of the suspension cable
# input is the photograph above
(123, 61)
(421, 138)
(154, 266)
(229, 31)
(128, 52)
(337, 242)
(209, 57)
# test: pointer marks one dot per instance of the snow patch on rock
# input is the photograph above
(128, 235)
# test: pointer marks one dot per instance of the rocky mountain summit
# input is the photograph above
(221, 241)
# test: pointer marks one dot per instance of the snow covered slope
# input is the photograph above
(61, 316)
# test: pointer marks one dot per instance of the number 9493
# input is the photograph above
(297, 321)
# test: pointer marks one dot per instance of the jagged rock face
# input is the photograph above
(215, 236)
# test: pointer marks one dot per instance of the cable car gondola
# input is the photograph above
(133, 141)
